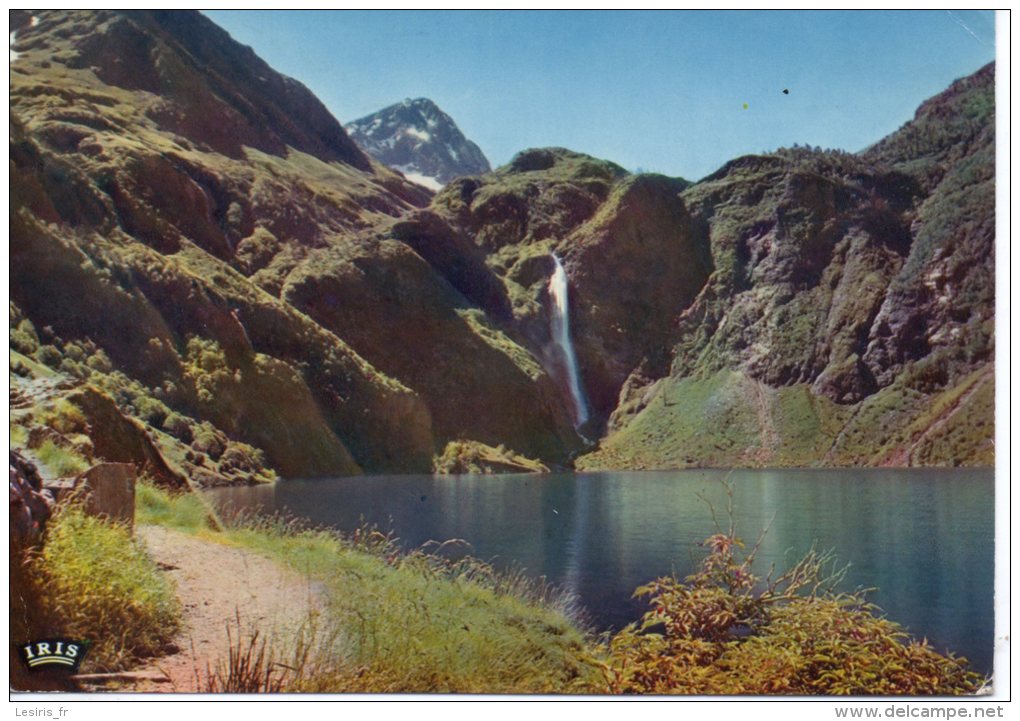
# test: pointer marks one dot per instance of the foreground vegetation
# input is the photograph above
(726, 630)
(408, 622)
(91, 581)
(423, 622)
(436, 621)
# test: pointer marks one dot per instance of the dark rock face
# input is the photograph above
(636, 264)
(805, 245)
(421, 141)
(454, 257)
(942, 300)
(633, 257)
(30, 505)
(122, 440)
(867, 279)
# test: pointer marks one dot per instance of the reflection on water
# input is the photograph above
(924, 538)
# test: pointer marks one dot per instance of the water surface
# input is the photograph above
(924, 538)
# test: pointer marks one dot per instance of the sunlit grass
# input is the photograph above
(19, 436)
(95, 583)
(60, 461)
(184, 511)
(415, 623)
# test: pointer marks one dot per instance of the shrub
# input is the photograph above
(725, 630)
(179, 427)
(65, 417)
(99, 361)
(71, 368)
(458, 457)
(467, 456)
(206, 367)
(48, 355)
(257, 250)
(23, 338)
(208, 440)
(75, 352)
(96, 584)
(150, 410)
(243, 458)
(19, 368)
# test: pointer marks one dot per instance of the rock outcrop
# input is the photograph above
(30, 505)
(120, 439)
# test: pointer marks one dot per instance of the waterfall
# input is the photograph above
(561, 337)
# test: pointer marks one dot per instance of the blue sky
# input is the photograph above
(661, 91)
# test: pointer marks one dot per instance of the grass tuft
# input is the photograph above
(60, 461)
(183, 511)
(95, 583)
(250, 666)
(418, 623)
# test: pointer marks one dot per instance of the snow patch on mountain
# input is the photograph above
(422, 135)
(430, 183)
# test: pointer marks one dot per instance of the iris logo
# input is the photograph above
(54, 652)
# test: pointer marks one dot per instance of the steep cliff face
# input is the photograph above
(850, 311)
(941, 301)
(630, 251)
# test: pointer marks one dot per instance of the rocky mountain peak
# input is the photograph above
(421, 141)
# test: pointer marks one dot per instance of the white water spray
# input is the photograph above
(561, 337)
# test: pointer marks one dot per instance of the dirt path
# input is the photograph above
(986, 376)
(770, 441)
(218, 584)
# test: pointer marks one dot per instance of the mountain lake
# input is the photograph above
(922, 538)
